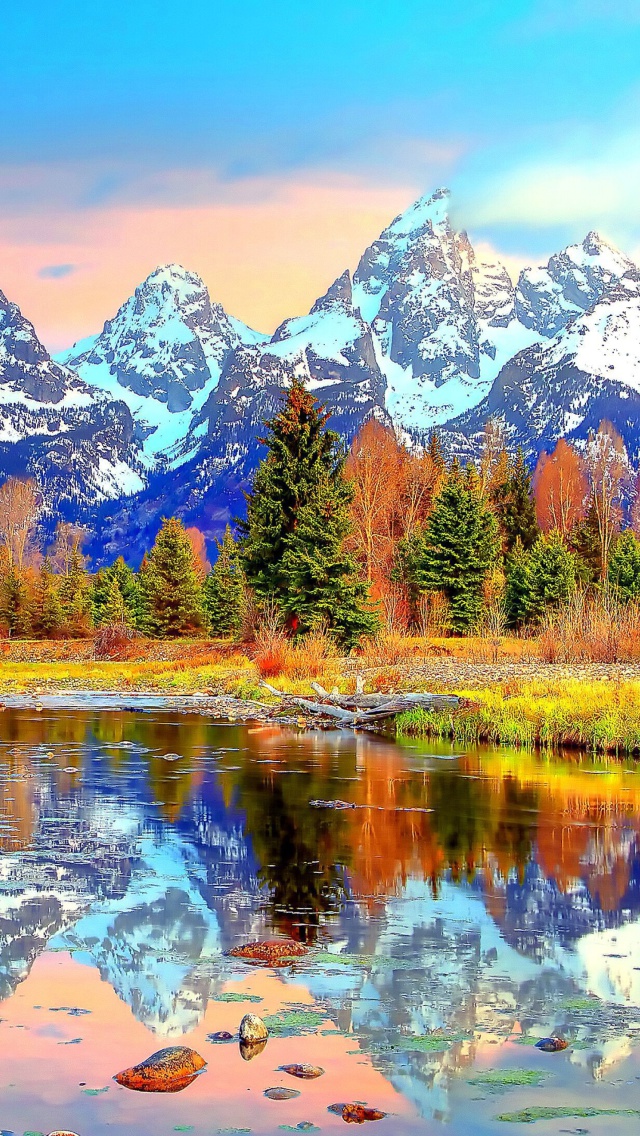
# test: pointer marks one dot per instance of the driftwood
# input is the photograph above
(362, 711)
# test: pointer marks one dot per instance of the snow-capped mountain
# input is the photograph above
(162, 354)
(56, 428)
(564, 388)
(424, 334)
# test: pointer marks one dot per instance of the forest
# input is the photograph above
(354, 545)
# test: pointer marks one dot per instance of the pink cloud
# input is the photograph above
(265, 253)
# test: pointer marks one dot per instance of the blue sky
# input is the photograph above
(528, 110)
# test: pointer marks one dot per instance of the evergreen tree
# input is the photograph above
(75, 596)
(517, 594)
(552, 574)
(586, 543)
(324, 589)
(48, 614)
(224, 590)
(515, 506)
(103, 593)
(457, 548)
(624, 567)
(114, 610)
(435, 452)
(302, 471)
(15, 605)
(171, 593)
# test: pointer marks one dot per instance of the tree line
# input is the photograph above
(349, 542)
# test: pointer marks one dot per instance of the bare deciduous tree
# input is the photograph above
(19, 509)
(609, 473)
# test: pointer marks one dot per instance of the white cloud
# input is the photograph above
(600, 191)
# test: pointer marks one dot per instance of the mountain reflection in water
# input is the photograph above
(480, 897)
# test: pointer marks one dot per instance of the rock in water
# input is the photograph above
(305, 1072)
(270, 952)
(281, 1094)
(252, 1030)
(221, 1035)
(61, 1133)
(356, 1113)
(167, 1071)
(551, 1044)
(248, 1051)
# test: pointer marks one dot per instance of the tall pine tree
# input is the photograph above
(457, 548)
(170, 589)
(515, 507)
(15, 605)
(75, 595)
(551, 574)
(224, 592)
(302, 475)
(103, 594)
(624, 567)
(48, 614)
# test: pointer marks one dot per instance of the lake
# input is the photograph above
(457, 905)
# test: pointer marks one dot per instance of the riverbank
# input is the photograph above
(591, 707)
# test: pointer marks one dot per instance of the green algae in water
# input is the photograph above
(529, 1115)
(580, 1003)
(294, 1021)
(236, 998)
(501, 1080)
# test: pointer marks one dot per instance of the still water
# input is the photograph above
(470, 903)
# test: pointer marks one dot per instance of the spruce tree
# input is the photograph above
(48, 614)
(624, 567)
(517, 593)
(586, 543)
(224, 595)
(75, 595)
(171, 592)
(434, 451)
(15, 605)
(457, 548)
(552, 574)
(104, 594)
(303, 471)
(324, 589)
(515, 507)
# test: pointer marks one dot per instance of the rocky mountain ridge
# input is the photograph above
(424, 334)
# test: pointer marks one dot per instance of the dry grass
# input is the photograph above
(595, 715)
(589, 629)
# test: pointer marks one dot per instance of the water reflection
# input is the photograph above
(465, 898)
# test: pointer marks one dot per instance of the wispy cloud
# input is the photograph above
(57, 271)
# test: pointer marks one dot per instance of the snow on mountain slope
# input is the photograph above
(547, 299)
(443, 320)
(53, 426)
(162, 354)
(589, 372)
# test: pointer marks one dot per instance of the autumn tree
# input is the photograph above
(375, 468)
(19, 509)
(494, 459)
(198, 544)
(560, 487)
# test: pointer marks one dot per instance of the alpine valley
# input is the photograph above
(161, 413)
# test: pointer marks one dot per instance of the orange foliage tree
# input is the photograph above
(393, 490)
(560, 488)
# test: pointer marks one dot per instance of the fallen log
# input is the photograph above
(364, 711)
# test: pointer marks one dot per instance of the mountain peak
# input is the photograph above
(338, 294)
(431, 209)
